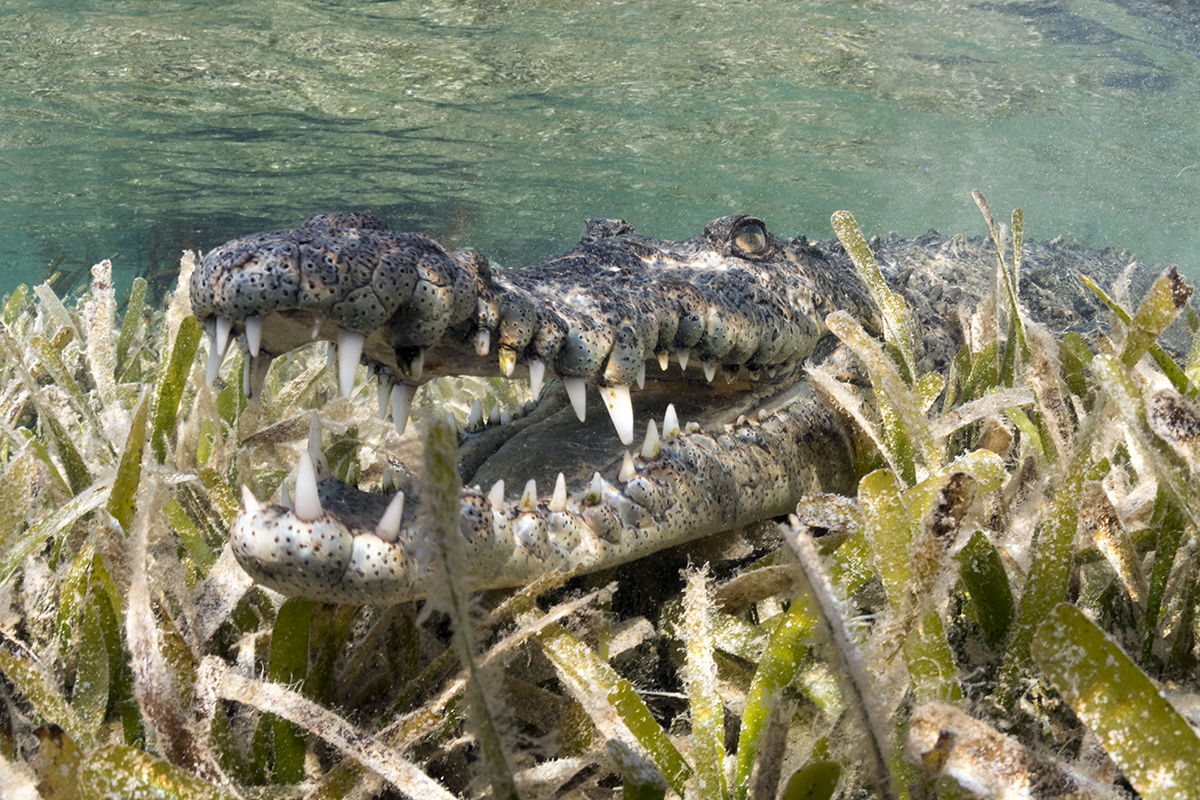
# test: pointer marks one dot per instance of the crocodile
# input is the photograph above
(718, 329)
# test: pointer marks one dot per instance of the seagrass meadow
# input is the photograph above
(1006, 608)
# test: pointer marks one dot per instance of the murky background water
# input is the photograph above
(141, 128)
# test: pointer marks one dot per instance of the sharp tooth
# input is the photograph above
(317, 323)
(641, 376)
(224, 326)
(595, 492)
(308, 503)
(537, 371)
(558, 502)
(250, 501)
(453, 422)
(254, 326)
(651, 448)
(576, 391)
(494, 416)
(475, 420)
(664, 360)
(710, 369)
(384, 393)
(529, 496)
(683, 356)
(285, 498)
(388, 528)
(349, 348)
(417, 366)
(627, 470)
(402, 397)
(508, 361)
(483, 342)
(505, 417)
(495, 495)
(670, 422)
(215, 357)
(620, 408)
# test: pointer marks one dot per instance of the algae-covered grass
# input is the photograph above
(1006, 606)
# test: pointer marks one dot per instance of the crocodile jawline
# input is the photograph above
(722, 324)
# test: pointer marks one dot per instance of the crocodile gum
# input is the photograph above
(723, 323)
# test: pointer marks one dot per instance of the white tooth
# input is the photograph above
(664, 360)
(627, 471)
(508, 362)
(683, 356)
(475, 420)
(350, 347)
(494, 416)
(317, 323)
(558, 502)
(483, 342)
(254, 326)
(505, 417)
(651, 448)
(641, 376)
(670, 422)
(495, 495)
(620, 408)
(710, 369)
(224, 326)
(529, 496)
(576, 391)
(402, 397)
(383, 394)
(250, 501)
(308, 503)
(388, 528)
(417, 366)
(214, 364)
(537, 371)
(285, 498)
(596, 491)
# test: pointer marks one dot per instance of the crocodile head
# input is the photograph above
(714, 331)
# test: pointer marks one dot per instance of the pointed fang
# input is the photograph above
(651, 448)
(710, 370)
(558, 502)
(250, 501)
(670, 423)
(495, 495)
(475, 419)
(388, 528)
(620, 408)
(529, 496)
(308, 503)
(575, 391)
(402, 397)
(683, 356)
(254, 328)
(664, 360)
(641, 376)
(224, 326)
(350, 347)
(627, 469)
(537, 373)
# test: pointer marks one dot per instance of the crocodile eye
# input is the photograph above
(750, 237)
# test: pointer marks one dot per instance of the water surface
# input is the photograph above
(137, 129)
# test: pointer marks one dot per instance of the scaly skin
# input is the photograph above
(735, 300)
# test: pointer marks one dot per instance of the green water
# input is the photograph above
(141, 128)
